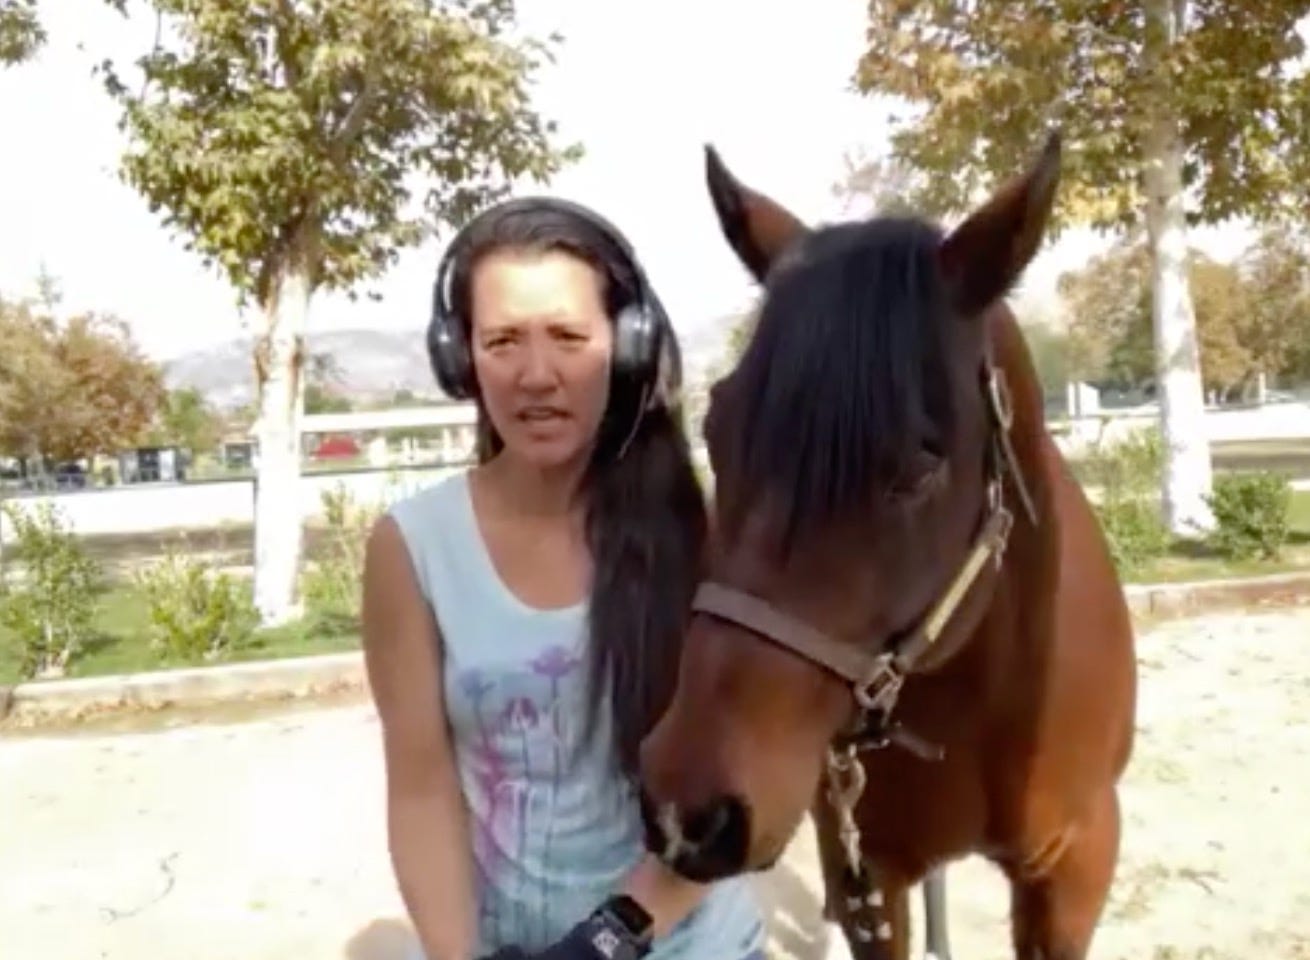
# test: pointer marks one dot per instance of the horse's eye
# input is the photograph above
(924, 472)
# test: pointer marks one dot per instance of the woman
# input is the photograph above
(523, 619)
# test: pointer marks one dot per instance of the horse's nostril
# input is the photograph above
(703, 845)
(720, 836)
(702, 828)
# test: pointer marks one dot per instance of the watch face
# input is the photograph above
(631, 914)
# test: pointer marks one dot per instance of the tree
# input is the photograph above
(323, 385)
(1050, 352)
(115, 389)
(31, 381)
(1152, 98)
(21, 33)
(1109, 305)
(77, 389)
(1222, 316)
(324, 399)
(404, 397)
(1110, 330)
(283, 140)
(1277, 272)
(187, 420)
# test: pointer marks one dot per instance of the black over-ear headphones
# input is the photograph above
(640, 329)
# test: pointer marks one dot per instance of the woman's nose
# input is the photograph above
(538, 367)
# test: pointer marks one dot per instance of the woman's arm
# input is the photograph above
(663, 894)
(426, 815)
(649, 905)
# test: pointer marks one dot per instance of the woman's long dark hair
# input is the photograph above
(645, 510)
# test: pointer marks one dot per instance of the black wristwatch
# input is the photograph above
(620, 929)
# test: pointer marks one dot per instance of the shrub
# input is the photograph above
(1135, 531)
(197, 611)
(1251, 514)
(331, 586)
(1127, 475)
(49, 607)
(1127, 468)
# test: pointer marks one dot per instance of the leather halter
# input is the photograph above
(876, 676)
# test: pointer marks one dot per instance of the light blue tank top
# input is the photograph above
(555, 826)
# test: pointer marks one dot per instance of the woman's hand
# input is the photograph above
(619, 929)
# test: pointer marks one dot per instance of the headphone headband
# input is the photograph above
(451, 259)
(641, 328)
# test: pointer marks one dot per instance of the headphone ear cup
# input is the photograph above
(636, 343)
(448, 353)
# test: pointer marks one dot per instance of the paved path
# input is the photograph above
(264, 839)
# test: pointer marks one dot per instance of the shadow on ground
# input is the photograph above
(794, 912)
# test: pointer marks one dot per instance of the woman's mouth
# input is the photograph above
(540, 414)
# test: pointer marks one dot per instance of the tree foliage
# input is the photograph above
(1173, 112)
(273, 120)
(325, 390)
(1253, 315)
(285, 140)
(1048, 348)
(72, 389)
(1277, 271)
(21, 33)
(30, 379)
(187, 420)
(987, 78)
(1109, 305)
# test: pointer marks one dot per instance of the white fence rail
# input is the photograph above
(161, 507)
(150, 508)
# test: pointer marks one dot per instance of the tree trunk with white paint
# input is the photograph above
(1187, 467)
(279, 365)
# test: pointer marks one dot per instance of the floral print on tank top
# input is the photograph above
(526, 723)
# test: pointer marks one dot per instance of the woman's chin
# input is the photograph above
(548, 453)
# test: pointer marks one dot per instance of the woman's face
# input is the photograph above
(541, 350)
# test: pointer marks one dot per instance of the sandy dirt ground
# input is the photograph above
(264, 839)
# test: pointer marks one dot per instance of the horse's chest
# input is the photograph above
(919, 812)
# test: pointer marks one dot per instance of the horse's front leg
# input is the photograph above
(1056, 904)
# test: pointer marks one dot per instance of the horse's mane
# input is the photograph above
(847, 374)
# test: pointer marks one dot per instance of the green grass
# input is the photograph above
(120, 642)
(120, 638)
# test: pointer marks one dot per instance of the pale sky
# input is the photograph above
(643, 85)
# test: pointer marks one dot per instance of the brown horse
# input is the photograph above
(911, 624)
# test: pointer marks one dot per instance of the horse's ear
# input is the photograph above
(756, 227)
(986, 254)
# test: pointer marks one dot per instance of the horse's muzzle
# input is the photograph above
(702, 845)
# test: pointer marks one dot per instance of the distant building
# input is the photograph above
(152, 465)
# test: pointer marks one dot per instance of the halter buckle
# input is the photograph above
(879, 690)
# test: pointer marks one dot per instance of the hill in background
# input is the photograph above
(373, 364)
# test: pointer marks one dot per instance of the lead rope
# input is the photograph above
(846, 782)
